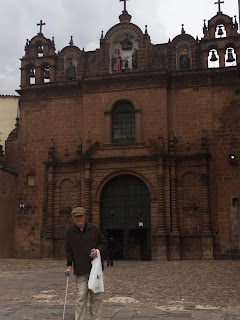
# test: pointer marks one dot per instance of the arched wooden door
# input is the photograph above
(126, 214)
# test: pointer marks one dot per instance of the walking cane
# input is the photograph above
(67, 273)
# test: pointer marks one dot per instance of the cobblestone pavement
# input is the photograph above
(182, 290)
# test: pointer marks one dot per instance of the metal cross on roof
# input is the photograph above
(124, 4)
(41, 24)
(219, 5)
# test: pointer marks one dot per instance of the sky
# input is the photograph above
(84, 20)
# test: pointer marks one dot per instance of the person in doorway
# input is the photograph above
(81, 244)
(111, 246)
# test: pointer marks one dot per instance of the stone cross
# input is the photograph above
(124, 4)
(219, 5)
(41, 24)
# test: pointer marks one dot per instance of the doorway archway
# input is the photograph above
(126, 215)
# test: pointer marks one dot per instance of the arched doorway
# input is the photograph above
(126, 214)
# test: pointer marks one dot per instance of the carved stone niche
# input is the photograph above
(190, 208)
(123, 51)
(192, 222)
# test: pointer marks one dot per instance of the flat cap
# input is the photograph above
(78, 211)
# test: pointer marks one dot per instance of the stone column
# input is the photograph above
(207, 239)
(38, 75)
(237, 51)
(79, 193)
(50, 210)
(221, 53)
(24, 77)
(174, 240)
(48, 233)
(174, 212)
(161, 230)
(205, 59)
(52, 73)
(205, 206)
(108, 126)
(87, 193)
(138, 122)
(161, 207)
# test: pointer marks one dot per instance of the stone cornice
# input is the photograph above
(134, 81)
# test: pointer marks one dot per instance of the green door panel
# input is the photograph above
(125, 205)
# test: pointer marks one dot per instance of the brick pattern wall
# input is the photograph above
(8, 208)
(189, 113)
(186, 127)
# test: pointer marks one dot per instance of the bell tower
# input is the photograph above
(39, 62)
(219, 33)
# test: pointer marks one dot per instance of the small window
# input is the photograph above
(123, 123)
(235, 202)
(30, 179)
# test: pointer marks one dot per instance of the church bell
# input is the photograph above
(40, 49)
(32, 73)
(46, 73)
(213, 57)
(220, 32)
(230, 57)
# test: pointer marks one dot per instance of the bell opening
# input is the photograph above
(213, 59)
(220, 31)
(230, 57)
(32, 73)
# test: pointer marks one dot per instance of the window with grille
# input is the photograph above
(123, 123)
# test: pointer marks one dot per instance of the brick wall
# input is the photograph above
(8, 207)
(188, 111)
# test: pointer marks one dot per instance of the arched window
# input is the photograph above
(123, 123)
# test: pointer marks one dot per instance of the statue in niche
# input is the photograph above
(126, 43)
(184, 60)
(116, 61)
(135, 59)
(71, 70)
(125, 64)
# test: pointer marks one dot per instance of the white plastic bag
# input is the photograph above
(95, 282)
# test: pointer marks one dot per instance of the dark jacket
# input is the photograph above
(78, 245)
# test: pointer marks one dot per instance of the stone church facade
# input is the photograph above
(145, 137)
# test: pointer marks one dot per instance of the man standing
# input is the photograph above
(81, 244)
(111, 246)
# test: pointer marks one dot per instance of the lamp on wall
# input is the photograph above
(232, 159)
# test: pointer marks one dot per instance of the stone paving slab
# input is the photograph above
(134, 290)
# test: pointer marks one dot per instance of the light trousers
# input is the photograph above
(96, 300)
